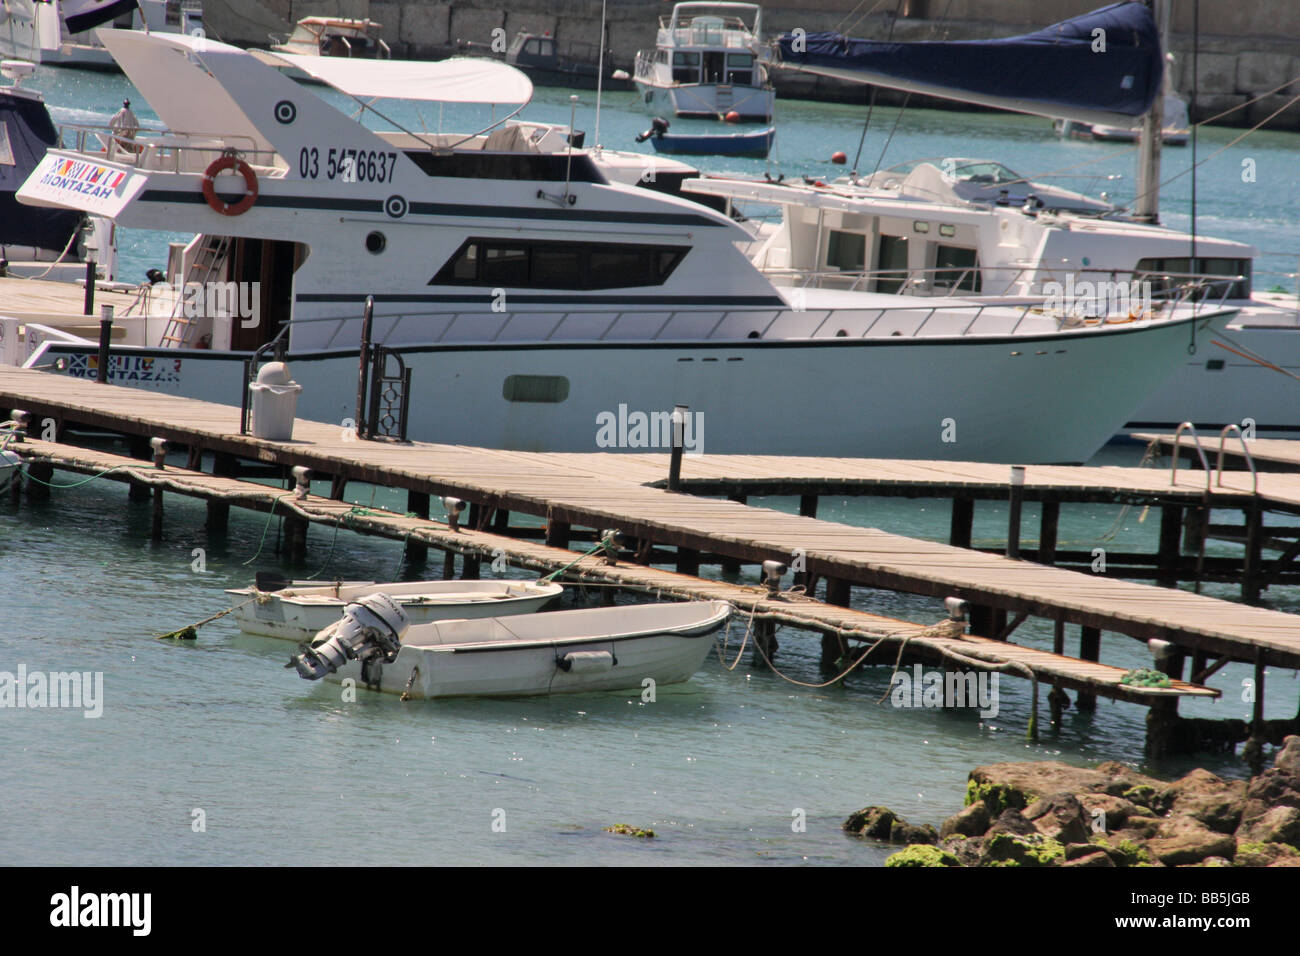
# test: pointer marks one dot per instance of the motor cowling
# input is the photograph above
(370, 629)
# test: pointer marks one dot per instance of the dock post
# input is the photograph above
(1048, 524)
(765, 644)
(218, 516)
(963, 516)
(1089, 650)
(834, 647)
(688, 561)
(469, 566)
(1253, 752)
(448, 564)
(295, 538)
(41, 473)
(138, 491)
(1014, 509)
(679, 440)
(557, 534)
(105, 339)
(417, 503)
(981, 620)
(88, 304)
(808, 506)
(225, 465)
(156, 524)
(1171, 537)
(1250, 576)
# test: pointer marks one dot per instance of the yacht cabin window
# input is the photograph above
(544, 264)
(846, 251)
(686, 68)
(956, 268)
(740, 69)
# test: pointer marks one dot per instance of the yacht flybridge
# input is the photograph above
(533, 299)
(708, 61)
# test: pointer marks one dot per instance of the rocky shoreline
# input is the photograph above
(1048, 813)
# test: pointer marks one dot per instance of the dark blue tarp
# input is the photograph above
(29, 130)
(1056, 66)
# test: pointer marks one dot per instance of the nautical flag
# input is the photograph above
(79, 15)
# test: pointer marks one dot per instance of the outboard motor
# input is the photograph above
(370, 630)
(658, 126)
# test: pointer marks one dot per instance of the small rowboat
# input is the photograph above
(610, 648)
(754, 144)
(301, 610)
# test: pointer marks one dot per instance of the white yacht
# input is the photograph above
(976, 229)
(532, 298)
(708, 62)
(39, 31)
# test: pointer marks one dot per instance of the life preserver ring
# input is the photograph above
(220, 165)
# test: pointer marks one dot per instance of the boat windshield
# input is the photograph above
(980, 171)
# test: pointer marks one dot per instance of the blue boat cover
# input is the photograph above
(1055, 67)
(26, 132)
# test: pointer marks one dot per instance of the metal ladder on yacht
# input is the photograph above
(180, 328)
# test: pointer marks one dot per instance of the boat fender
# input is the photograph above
(220, 165)
(586, 662)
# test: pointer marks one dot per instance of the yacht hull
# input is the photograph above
(971, 399)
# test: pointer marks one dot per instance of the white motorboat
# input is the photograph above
(335, 36)
(544, 297)
(301, 610)
(708, 62)
(601, 649)
(11, 462)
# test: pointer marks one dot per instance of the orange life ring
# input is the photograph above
(210, 192)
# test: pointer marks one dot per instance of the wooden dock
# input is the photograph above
(610, 491)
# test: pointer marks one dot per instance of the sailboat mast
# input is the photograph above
(1152, 132)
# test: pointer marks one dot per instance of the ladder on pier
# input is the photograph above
(210, 256)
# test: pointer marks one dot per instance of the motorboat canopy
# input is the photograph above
(462, 79)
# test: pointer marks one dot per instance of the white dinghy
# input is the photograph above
(301, 610)
(611, 648)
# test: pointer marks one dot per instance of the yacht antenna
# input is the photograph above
(600, 75)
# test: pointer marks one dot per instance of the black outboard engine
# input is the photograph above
(370, 630)
(658, 126)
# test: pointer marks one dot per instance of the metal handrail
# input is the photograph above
(1250, 461)
(1173, 477)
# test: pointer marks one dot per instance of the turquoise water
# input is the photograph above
(721, 767)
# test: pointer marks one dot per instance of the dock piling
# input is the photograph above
(1013, 511)
(417, 503)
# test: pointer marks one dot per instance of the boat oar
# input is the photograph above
(191, 631)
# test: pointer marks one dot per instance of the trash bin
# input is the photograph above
(275, 402)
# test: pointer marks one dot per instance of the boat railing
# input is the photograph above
(956, 281)
(1006, 318)
(1245, 453)
(1200, 452)
(162, 150)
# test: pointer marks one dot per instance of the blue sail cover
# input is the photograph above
(1053, 72)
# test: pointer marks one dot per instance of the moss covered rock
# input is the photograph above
(922, 855)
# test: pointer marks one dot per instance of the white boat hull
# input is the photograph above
(668, 656)
(906, 397)
(299, 617)
(708, 100)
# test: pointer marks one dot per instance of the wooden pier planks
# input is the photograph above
(794, 609)
(598, 491)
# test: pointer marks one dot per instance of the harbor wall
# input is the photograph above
(1246, 48)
